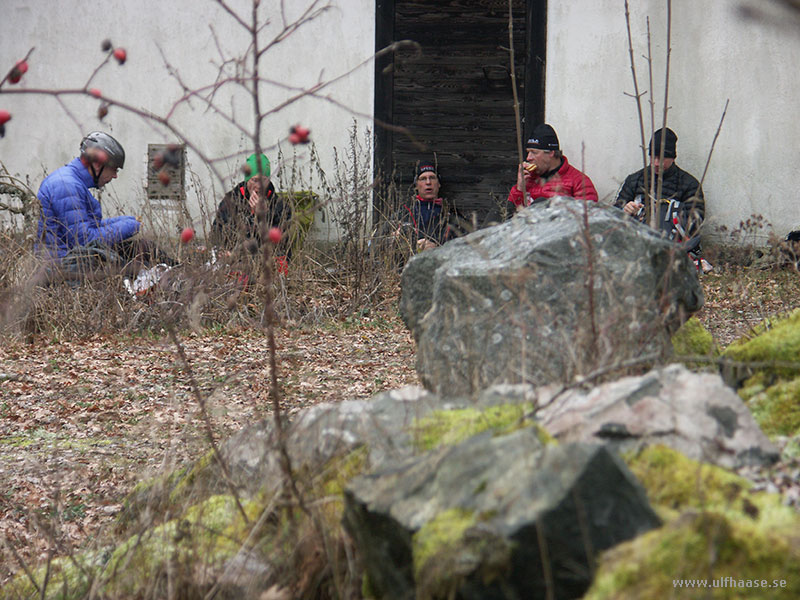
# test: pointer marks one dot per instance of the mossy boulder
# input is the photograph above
(68, 578)
(773, 347)
(707, 555)
(493, 515)
(167, 491)
(692, 339)
(675, 482)
(694, 413)
(775, 404)
(187, 554)
(735, 542)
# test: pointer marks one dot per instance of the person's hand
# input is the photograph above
(521, 173)
(632, 208)
(254, 200)
(425, 244)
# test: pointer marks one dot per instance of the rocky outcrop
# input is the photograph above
(561, 289)
(694, 413)
(493, 517)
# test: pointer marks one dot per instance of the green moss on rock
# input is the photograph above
(676, 482)
(775, 340)
(68, 578)
(449, 548)
(449, 427)
(776, 408)
(692, 339)
(204, 537)
(713, 550)
(717, 528)
(442, 532)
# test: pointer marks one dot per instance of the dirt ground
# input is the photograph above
(81, 422)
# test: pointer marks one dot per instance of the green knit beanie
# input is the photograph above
(253, 164)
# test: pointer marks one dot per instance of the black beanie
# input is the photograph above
(425, 166)
(543, 137)
(670, 145)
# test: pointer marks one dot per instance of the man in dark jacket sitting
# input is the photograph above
(425, 221)
(237, 215)
(681, 207)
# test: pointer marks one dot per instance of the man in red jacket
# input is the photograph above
(547, 173)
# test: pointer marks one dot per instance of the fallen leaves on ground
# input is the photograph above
(81, 422)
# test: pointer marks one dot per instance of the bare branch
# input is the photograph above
(232, 13)
(713, 143)
(637, 95)
(514, 80)
(660, 184)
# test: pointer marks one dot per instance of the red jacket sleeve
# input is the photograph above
(516, 196)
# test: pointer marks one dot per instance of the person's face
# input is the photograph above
(543, 159)
(661, 165)
(255, 180)
(428, 186)
(107, 174)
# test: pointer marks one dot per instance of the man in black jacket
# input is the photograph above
(681, 207)
(237, 216)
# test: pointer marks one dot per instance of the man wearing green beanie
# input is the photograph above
(236, 220)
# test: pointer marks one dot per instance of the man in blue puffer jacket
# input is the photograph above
(70, 216)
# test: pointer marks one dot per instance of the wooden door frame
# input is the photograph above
(535, 63)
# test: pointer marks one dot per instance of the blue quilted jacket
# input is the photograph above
(71, 216)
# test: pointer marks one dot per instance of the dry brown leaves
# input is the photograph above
(82, 422)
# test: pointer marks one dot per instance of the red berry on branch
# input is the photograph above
(17, 71)
(120, 55)
(186, 235)
(299, 134)
(95, 92)
(163, 177)
(275, 235)
(5, 117)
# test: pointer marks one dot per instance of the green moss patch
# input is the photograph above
(449, 427)
(692, 339)
(713, 551)
(717, 530)
(204, 537)
(776, 408)
(450, 548)
(68, 578)
(775, 340)
(676, 482)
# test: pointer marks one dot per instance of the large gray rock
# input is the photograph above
(694, 413)
(493, 517)
(546, 296)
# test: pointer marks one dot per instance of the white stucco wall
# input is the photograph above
(43, 136)
(716, 55)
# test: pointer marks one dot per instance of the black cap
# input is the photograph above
(670, 144)
(543, 137)
(425, 166)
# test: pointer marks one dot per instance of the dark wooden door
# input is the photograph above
(451, 96)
